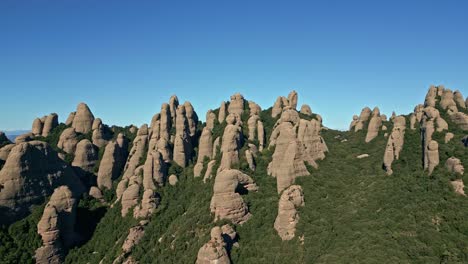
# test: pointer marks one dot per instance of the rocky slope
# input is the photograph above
(245, 186)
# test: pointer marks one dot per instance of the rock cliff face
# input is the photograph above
(296, 141)
(30, 174)
(226, 203)
(83, 119)
(285, 223)
(395, 143)
(56, 226)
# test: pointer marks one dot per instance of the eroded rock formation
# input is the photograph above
(287, 219)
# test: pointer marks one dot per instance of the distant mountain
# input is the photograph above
(11, 135)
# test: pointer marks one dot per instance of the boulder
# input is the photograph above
(173, 180)
(5, 151)
(432, 156)
(362, 156)
(287, 219)
(24, 138)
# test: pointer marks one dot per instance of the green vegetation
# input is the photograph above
(19, 241)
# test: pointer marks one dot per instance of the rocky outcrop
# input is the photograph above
(50, 123)
(5, 151)
(205, 150)
(70, 118)
(461, 119)
(68, 140)
(358, 123)
(446, 101)
(395, 143)
(111, 164)
(459, 99)
(448, 136)
(154, 171)
(226, 203)
(137, 152)
(432, 155)
(285, 223)
(100, 136)
(214, 251)
(135, 234)
(24, 138)
(56, 227)
(37, 127)
(458, 186)
(454, 166)
(130, 197)
(86, 157)
(429, 146)
(236, 105)
(296, 141)
(292, 99)
(222, 112)
(43, 126)
(306, 110)
(374, 125)
(83, 120)
(182, 144)
(230, 143)
(31, 172)
(149, 204)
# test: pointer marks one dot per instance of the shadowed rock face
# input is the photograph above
(56, 226)
(111, 165)
(30, 174)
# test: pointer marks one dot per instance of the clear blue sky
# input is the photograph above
(124, 58)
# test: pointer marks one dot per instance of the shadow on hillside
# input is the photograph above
(87, 221)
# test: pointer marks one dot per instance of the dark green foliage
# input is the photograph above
(19, 241)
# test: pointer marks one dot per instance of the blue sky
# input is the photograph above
(125, 58)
